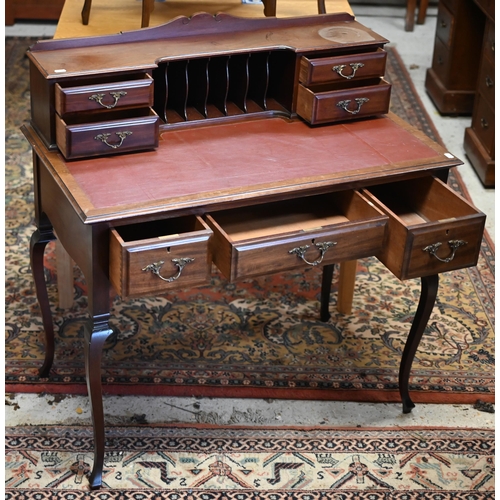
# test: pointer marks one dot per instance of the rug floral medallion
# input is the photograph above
(241, 463)
(260, 337)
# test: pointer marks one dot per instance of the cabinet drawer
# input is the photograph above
(341, 68)
(131, 130)
(441, 62)
(153, 257)
(483, 123)
(426, 221)
(444, 26)
(295, 234)
(326, 104)
(101, 97)
(486, 81)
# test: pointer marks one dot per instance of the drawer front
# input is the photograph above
(431, 228)
(116, 95)
(489, 41)
(253, 259)
(441, 62)
(105, 138)
(153, 266)
(444, 27)
(483, 123)
(486, 81)
(290, 235)
(342, 68)
(345, 104)
(429, 248)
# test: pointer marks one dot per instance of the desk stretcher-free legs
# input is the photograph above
(428, 294)
(38, 242)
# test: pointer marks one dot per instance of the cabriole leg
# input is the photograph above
(38, 242)
(428, 296)
(95, 336)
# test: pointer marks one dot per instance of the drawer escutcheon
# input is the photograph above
(454, 245)
(181, 263)
(322, 247)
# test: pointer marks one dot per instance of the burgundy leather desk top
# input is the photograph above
(214, 162)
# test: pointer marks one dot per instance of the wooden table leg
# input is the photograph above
(326, 287)
(147, 8)
(65, 281)
(411, 6)
(428, 296)
(347, 280)
(95, 336)
(38, 242)
(86, 12)
(269, 8)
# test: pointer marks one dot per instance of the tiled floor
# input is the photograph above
(415, 49)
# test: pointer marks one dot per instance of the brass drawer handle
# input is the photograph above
(484, 123)
(354, 66)
(99, 97)
(454, 245)
(180, 263)
(359, 101)
(322, 247)
(489, 82)
(104, 138)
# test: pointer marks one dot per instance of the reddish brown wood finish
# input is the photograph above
(451, 81)
(286, 183)
(479, 142)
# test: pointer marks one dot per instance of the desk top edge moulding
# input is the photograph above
(255, 145)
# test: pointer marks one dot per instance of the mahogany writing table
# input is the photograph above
(274, 181)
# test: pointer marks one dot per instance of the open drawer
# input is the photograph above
(154, 257)
(431, 228)
(294, 234)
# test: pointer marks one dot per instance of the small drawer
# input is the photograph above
(441, 61)
(431, 228)
(319, 70)
(445, 23)
(295, 234)
(489, 40)
(126, 131)
(326, 104)
(136, 93)
(486, 81)
(154, 257)
(483, 123)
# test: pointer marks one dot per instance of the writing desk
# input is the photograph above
(257, 182)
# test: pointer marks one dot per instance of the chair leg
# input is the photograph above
(422, 11)
(147, 7)
(86, 12)
(321, 7)
(411, 6)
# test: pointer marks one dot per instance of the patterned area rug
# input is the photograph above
(202, 463)
(257, 338)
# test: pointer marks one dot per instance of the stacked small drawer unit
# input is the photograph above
(343, 87)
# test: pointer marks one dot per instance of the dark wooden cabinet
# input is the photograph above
(45, 10)
(451, 81)
(479, 141)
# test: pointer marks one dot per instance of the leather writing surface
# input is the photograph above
(244, 155)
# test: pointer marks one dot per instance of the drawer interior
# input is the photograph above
(302, 215)
(159, 229)
(421, 201)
